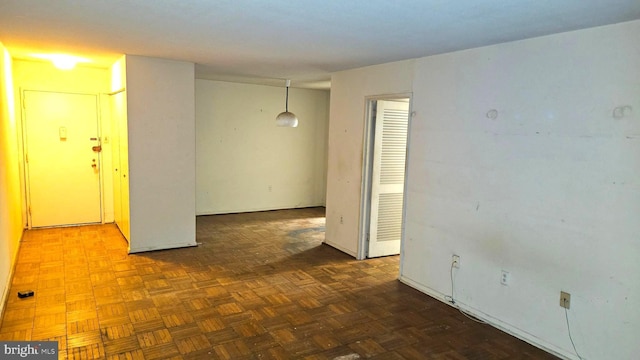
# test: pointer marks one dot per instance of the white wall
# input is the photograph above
(11, 220)
(161, 135)
(245, 162)
(548, 190)
(346, 136)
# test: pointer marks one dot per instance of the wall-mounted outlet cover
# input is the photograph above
(455, 260)
(565, 299)
(505, 278)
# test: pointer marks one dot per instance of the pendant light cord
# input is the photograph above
(286, 102)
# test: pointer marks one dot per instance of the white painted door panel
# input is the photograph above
(120, 162)
(387, 183)
(63, 169)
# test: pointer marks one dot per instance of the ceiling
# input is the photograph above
(271, 40)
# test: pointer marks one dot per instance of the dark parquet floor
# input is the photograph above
(258, 286)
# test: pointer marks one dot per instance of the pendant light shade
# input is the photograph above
(286, 118)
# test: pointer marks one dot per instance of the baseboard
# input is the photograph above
(492, 321)
(250, 210)
(5, 291)
(338, 247)
(163, 247)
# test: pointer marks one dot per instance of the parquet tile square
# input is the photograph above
(367, 347)
(117, 331)
(16, 335)
(49, 319)
(177, 318)
(83, 325)
(232, 350)
(84, 338)
(193, 343)
(131, 295)
(122, 345)
(249, 329)
(91, 351)
(326, 341)
(51, 331)
(161, 351)
(229, 308)
(152, 338)
(148, 325)
(259, 286)
(221, 336)
(127, 355)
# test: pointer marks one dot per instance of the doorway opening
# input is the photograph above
(384, 172)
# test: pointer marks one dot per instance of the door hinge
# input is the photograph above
(29, 210)
(26, 158)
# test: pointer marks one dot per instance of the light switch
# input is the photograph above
(63, 132)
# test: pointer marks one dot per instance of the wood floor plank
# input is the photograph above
(259, 286)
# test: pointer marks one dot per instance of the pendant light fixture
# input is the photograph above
(286, 118)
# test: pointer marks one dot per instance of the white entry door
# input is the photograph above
(62, 158)
(387, 177)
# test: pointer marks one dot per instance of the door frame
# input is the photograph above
(24, 143)
(367, 169)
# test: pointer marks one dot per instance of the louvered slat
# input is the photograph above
(394, 145)
(390, 217)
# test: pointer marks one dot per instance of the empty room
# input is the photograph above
(319, 180)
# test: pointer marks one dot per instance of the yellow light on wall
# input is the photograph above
(62, 61)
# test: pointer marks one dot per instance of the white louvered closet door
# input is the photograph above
(387, 181)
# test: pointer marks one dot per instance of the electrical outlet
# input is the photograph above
(455, 261)
(565, 299)
(505, 278)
